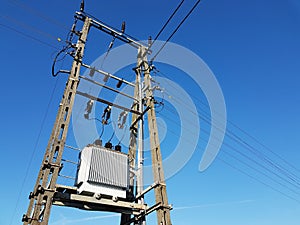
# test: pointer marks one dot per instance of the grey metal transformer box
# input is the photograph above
(102, 171)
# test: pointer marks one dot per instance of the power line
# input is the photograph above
(28, 36)
(34, 149)
(39, 14)
(237, 127)
(176, 29)
(240, 141)
(28, 27)
(248, 165)
(247, 174)
(284, 173)
(247, 146)
(292, 182)
(166, 23)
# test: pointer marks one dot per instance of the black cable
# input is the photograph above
(102, 130)
(113, 132)
(65, 49)
(250, 148)
(107, 51)
(164, 26)
(248, 165)
(283, 171)
(256, 152)
(69, 40)
(176, 29)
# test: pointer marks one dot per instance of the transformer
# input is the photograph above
(102, 171)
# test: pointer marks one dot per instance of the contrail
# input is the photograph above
(67, 221)
(212, 204)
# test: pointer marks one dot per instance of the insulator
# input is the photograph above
(89, 106)
(98, 142)
(105, 79)
(82, 6)
(25, 218)
(119, 83)
(106, 114)
(123, 27)
(122, 119)
(149, 41)
(92, 71)
(118, 148)
(108, 145)
(31, 195)
(111, 44)
(86, 116)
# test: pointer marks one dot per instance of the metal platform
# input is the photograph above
(67, 196)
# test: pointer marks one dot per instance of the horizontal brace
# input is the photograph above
(107, 87)
(153, 208)
(140, 117)
(108, 74)
(147, 190)
(65, 189)
(67, 177)
(113, 32)
(107, 102)
(69, 161)
(73, 148)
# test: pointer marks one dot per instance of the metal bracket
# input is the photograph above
(140, 117)
(154, 185)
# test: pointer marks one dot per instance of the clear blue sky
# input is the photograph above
(253, 49)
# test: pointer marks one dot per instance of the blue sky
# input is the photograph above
(253, 49)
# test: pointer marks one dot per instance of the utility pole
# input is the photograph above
(163, 209)
(132, 208)
(41, 198)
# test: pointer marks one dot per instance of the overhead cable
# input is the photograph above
(176, 29)
(166, 23)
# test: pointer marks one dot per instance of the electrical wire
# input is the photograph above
(39, 14)
(28, 27)
(166, 23)
(69, 41)
(63, 50)
(231, 134)
(113, 134)
(247, 164)
(290, 180)
(107, 51)
(34, 148)
(254, 151)
(176, 29)
(28, 36)
(124, 133)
